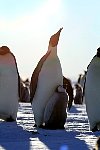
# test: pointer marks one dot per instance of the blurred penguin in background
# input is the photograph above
(69, 89)
(78, 94)
(24, 91)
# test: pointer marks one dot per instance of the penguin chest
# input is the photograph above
(92, 86)
(50, 76)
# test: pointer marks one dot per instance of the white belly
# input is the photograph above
(92, 95)
(49, 78)
(8, 87)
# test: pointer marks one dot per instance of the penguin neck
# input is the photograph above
(53, 51)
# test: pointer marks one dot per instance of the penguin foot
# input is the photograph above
(35, 125)
(42, 126)
(62, 127)
(52, 127)
(10, 119)
(95, 129)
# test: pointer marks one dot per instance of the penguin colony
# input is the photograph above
(45, 78)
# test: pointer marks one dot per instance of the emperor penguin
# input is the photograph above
(9, 85)
(46, 77)
(92, 92)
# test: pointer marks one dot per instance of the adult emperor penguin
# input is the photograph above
(92, 92)
(9, 85)
(45, 78)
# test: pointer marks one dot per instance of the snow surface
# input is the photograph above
(21, 135)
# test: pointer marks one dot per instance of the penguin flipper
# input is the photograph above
(34, 78)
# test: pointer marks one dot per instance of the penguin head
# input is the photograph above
(55, 38)
(98, 52)
(4, 50)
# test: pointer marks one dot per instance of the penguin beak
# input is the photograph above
(55, 38)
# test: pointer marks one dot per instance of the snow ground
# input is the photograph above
(21, 135)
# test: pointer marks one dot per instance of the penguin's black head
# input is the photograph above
(98, 52)
(4, 50)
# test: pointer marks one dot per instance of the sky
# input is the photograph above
(26, 27)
